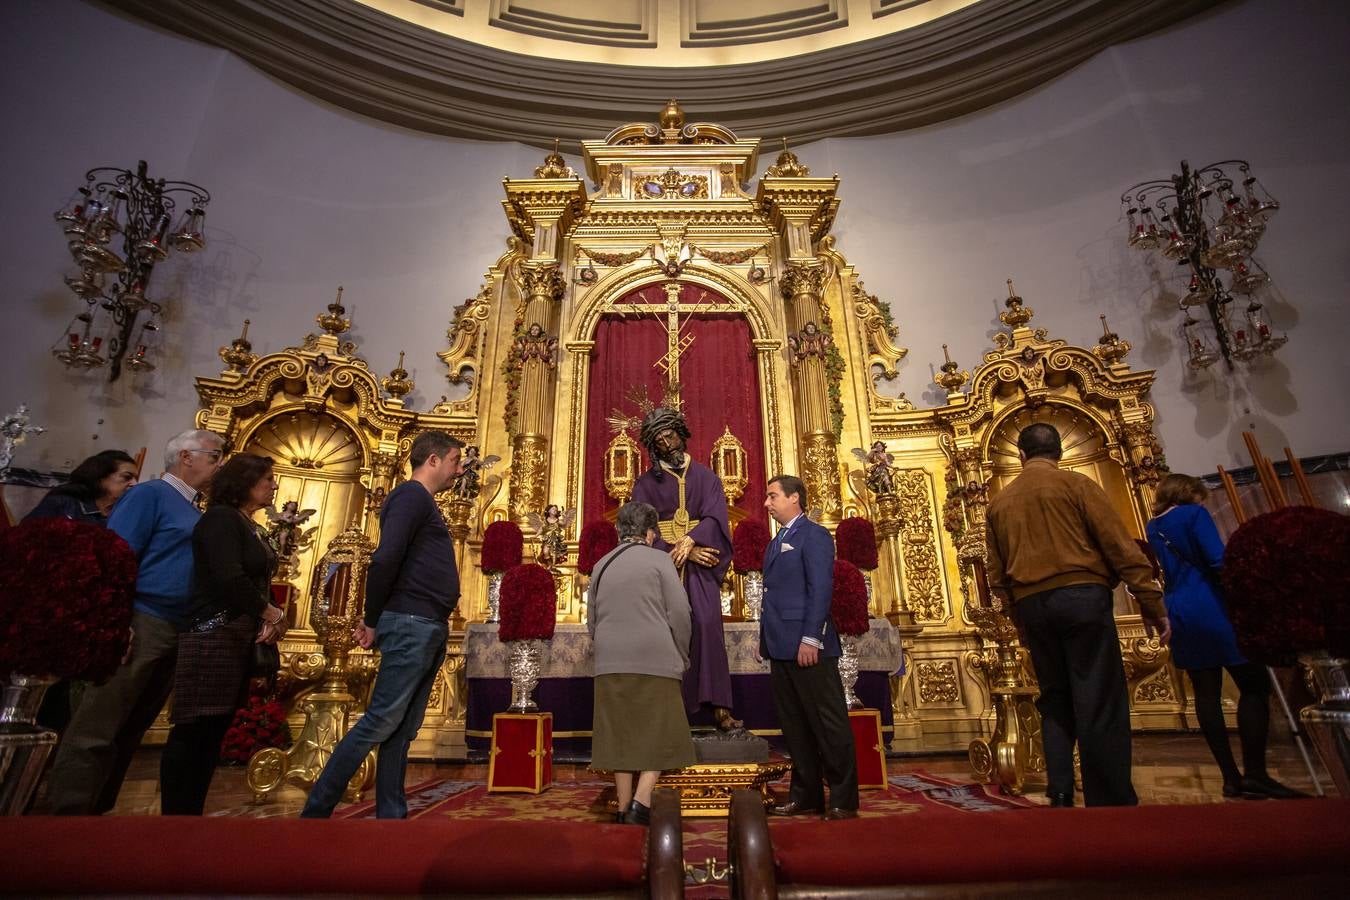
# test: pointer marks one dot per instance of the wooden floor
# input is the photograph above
(1168, 768)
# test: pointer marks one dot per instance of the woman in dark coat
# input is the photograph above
(94, 486)
(233, 565)
(1190, 552)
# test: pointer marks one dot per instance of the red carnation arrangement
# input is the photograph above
(66, 589)
(529, 598)
(503, 547)
(856, 541)
(748, 543)
(259, 724)
(597, 539)
(849, 604)
(1286, 584)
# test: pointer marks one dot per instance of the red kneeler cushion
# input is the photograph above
(219, 855)
(868, 747)
(522, 752)
(1121, 843)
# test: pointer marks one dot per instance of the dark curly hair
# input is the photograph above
(231, 485)
(86, 479)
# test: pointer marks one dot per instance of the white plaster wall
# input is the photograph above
(305, 197)
(308, 197)
(936, 219)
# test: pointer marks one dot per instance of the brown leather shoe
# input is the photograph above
(837, 813)
(792, 808)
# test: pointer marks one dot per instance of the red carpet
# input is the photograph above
(592, 801)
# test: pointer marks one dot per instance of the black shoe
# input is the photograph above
(839, 813)
(1060, 801)
(1244, 788)
(637, 814)
(793, 808)
(1269, 787)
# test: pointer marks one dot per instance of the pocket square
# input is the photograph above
(785, 547)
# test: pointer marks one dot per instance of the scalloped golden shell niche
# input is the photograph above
(318, 463)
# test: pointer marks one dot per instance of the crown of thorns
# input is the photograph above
(658, 420)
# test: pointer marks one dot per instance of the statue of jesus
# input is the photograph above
(693, 529)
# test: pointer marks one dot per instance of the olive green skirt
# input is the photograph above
(639, 724)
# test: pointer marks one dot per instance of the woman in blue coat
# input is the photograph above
(1190, 551)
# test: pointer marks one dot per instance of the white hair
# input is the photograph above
(192, 439)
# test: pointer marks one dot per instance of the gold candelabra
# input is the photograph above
(337, 591)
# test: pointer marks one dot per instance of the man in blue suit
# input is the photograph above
(798, 637)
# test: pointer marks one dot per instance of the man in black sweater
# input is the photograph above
(412, 586)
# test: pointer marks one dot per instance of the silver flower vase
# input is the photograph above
(754, 595)
(24, 745)
(495, 597)
(525, 663)
(1328, 721)
(848, 670)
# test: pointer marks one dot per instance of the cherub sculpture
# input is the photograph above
(469, 481)
(535, 344)
(551, 532)
(285, 532)
(879, 466)
(811, 341)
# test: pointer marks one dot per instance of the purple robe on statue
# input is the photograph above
(709, 677)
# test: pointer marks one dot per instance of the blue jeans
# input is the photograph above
(412, 649)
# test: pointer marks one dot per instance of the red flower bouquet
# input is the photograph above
(529, 598)
(856, 542)
(748, 543)
(1287, 585)
(597, 539)
(848, 608)
(503, 547)
(66, 589)
(260, 724)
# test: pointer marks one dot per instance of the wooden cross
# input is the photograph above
(677, 318)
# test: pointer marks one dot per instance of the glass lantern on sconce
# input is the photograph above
(141, 210)
(1200, 352)
(1205, 222)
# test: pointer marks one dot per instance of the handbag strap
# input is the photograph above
(595, 582)
(1206, 572)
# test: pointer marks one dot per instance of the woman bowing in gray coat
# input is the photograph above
(640, 627)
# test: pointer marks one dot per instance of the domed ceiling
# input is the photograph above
(535, 70)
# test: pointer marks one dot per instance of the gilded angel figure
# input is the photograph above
(285, 531)
(879, 467)
(551, 531)
(469, 481)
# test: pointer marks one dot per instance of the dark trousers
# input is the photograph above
(189, 762)
(811, 711)
(107, 727)
(1071, 634)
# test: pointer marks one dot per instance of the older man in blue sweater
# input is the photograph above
(156, 518)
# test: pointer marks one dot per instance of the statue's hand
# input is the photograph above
(704, 556)
(680, 552)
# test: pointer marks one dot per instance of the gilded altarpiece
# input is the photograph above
(671, 209)
(338, 436)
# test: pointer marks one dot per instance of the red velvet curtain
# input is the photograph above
(720, 389)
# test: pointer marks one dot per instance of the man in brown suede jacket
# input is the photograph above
(1056, 549)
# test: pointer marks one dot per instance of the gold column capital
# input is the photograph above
(802, 280)
(539, 280)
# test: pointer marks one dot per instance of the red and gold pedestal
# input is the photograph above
(522, 753)
(869, 748)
